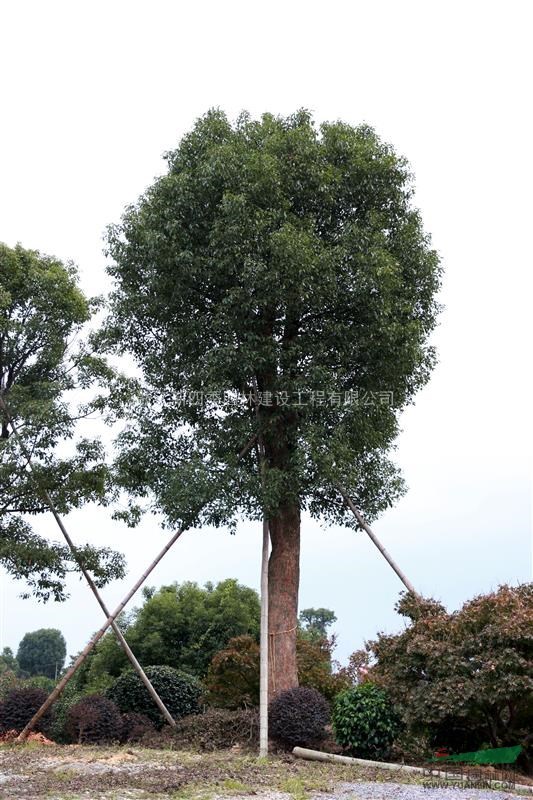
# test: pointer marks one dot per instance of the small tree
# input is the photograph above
(42, 312)
(42, 652)
(8, 662)
(316, 621)
(466, 677)
(233, 676)
(182, 625)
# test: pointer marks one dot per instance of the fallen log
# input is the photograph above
(331, 758)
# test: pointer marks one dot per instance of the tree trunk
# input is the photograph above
(283, 584)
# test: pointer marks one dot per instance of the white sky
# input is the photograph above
(94, 92)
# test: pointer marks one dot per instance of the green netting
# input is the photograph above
(498, 755)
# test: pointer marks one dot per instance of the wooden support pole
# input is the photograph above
(110, 621)
(52, 697)
(50, 503)
(366, 527)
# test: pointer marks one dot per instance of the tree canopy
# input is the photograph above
(42, 359)
(274, 254)
(8, 662)
(275, 283)
(42, 652)
(316, 621)
(183, 626)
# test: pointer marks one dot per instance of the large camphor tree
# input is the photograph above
(275, 281)
(43, 358)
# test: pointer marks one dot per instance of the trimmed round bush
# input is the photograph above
(20, 705)
(93, 720)
(179, 691)
(365, 722)
(135, 726)
(298, 717)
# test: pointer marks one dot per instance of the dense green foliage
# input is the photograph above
(42, 652)
(19, 706)
(314, 622)
(464, 678)
(278, 255)
(42, 313)
(179, 692)
(298, 717)
(93, 720)
(365, 722)
(8, 662)
(183, 626)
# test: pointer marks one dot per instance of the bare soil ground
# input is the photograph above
(75, 772)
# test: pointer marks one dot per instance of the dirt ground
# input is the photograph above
(78, 772)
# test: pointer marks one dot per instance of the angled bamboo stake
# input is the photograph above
(52, 697)
(366, 527)
(118, 633)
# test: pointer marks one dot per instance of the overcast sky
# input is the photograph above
(94, 92)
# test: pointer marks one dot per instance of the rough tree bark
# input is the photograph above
(283, 585)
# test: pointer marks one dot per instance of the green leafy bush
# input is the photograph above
(40, 682)
(465, 678)
(68, 697)
(179, 692)
(298, 717)
(93, 720)
(135, 726)
(365, 722)
(20, 705)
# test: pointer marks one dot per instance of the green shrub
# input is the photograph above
(68, 697)
(365, 722)
(20, 705)
(298, 717)
(179, 691)
(93, 720)
(40, 682)
(134, 727)
(463, 679)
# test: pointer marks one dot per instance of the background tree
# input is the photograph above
(42, 652)
(316, 621)
(277, 257)
(42, 312)
(463, 678)
(183, 626)
(8, 662)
